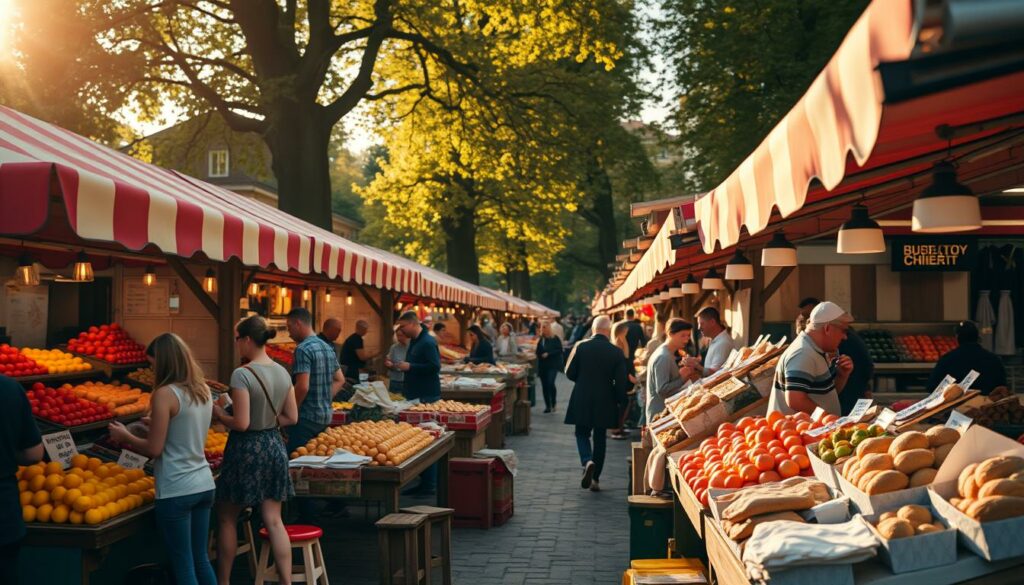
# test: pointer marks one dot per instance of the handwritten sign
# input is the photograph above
(959, 421)
(928, 402)
(855, 415)
(886, 418)
(817, 414)
(60, 447)
(131, 460)
(969, 379)
(860, 408)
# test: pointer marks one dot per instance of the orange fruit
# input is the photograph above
(768, 477)
(53, 480)
(79, 461)
(88, 489)
(82, 504)
(44, 512)
(749, 472)
(94, 463)
(28, 513)
(76, 517)
(25, 498)
(37, 482)
(802, 461)
(59, 514)
(789, 468)
(73, 481)
(93, 516)
(32, 471)
(54, 467)
(733, 481)
(71, 496)
(39, 498)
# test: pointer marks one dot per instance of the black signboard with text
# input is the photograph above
(933, 253)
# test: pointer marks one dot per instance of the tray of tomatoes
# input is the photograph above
(62, 407)
(108, 343)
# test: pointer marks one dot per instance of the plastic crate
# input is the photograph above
(470, 491)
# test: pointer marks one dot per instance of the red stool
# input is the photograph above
(302, 537)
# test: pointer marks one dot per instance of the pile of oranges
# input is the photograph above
(121, 399)
(88, 492)
(750, 451)
(56, 361)
(385, 442)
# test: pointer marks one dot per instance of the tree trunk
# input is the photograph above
(518, 275)
(602, 215)
(460, 243)
(298, 141)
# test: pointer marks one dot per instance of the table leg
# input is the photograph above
(391, 500)
(442, 481)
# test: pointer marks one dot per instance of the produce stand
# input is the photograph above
(496, 397)
(384, 484)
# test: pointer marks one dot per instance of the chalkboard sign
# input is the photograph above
(933, 254)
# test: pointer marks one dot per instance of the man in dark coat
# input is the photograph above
(599, 371)
(634, 333)
(422, 367)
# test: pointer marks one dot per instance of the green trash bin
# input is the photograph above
(650, 527)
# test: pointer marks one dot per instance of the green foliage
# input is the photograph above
(739, 67)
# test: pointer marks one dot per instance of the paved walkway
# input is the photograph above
(558, 534)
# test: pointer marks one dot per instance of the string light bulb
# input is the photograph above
(327, 296)
(283, 291)
(254, 289)
(149, 277)
(305, 293)
(348, 298)
(210, 281)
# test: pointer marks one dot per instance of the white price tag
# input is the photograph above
(131, 460)
(959, 421)
(859, 409)
(817, 414)
(60, 447)
(886, 418)
(969, 379)
(932, 399)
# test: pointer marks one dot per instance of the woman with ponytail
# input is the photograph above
(255, 469)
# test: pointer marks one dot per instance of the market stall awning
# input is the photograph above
(109, 196)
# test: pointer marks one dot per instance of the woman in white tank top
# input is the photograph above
(180, 413)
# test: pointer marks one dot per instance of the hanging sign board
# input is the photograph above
(933, 254)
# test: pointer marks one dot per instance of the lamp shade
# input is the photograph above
(691, 286)
(26, 273)
(82, 271)
(149, 277)
(861, 234)
(739, 268)
(946, 205)
(712, 281)
(779, 251)
(676, 290)
(210, 281)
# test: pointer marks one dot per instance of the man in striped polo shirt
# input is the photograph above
(806, 376)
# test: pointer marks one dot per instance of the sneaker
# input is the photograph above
(594, 486)
(588, 475)
(547, 410)
(620, 436)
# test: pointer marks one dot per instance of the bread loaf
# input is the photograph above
(915, 514)
(927, 529)
(886, 481)
(887, 515)
(995, 508)
(952, 392)
(742, 530)
(997, 468)
(955, 502)
(876, 461)
(940, 435)
(966, 475)
(965, 504)
(941, 452)
(874, 445)
(1001, 487)
(910, 461)
(924, 476)
(906, 442)
(895, 528)
(867, 477)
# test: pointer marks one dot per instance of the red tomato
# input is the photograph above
(768, 477)
(788, 468)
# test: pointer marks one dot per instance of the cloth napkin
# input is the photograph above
(775, 546)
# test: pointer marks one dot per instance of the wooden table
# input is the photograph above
(384, 484)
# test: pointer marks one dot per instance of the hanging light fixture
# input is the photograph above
(398, 306)
(690, 285)
(861, 234)
(305, 293)
(676, 290)
(327, 296)
(779, 251)
(284, 290)
(83, 269)
(149, 277)
(210, 281)
(712, 281)
(739, 267)
(26, 273)
(664, 295)
(254, 289)
(946, 205)
(348, 299)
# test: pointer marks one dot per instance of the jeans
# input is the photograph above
(547, 382)
(184, 523)
(586, 453)
(428, 479)
(298, 435)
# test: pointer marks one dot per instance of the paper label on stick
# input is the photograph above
(860, 408)
(927, 402)
(855, 415)
(886, 418)
(959, 421)
(131, 460)
(969, 379)
(60, 447)
(817, 414)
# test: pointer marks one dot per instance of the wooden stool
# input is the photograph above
(439, 520)
(246, 542)
(303, 537)
(403, 530)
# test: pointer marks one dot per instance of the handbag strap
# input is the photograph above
(266, 394)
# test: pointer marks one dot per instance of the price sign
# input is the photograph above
(817, 414)
(131, 460)
(859, 409)
(886, 418)
(927, 402)
(60, 447)
(959, 421)
(969, 379)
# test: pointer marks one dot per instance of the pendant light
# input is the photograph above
(712, 281)
(739, 267)
(676, 290)
(398, 306)
(283, 290)
(348, 298)
(327, 296)
(690, 285)
(210, 281)
(861, 234)
(149, 277)
(83, 269)
(305, 293)
(946, 205)
(26, 273)
(664, 295)
(779, 251)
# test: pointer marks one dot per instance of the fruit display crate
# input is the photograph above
(86, 536)
(104, 366)
(456, 421)
(47, 426)
(58, 379)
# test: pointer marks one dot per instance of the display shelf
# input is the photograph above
(85, 536)
(58, 379)
(104, 366)
(47, 426)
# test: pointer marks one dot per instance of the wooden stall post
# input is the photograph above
(229, 292)
(387, 318)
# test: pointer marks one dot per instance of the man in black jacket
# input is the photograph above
(422, 367)
(634, 333)
(599, 371)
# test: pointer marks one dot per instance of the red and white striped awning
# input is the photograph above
(111, 197)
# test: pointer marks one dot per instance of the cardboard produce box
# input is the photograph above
(825, 473)
(914, 553)
(993, 541)
(878, 503)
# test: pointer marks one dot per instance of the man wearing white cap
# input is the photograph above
(805, 378)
